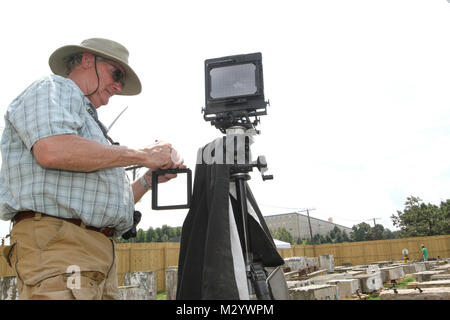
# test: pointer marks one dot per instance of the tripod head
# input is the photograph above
(240, 138)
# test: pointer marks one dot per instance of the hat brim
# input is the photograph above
(132, 84)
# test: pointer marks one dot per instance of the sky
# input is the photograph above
(359, 91)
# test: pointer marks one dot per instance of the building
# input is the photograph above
(297, 225)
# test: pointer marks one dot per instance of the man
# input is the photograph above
(424, 252)
(62, 181)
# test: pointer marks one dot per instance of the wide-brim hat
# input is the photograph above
(105, 48)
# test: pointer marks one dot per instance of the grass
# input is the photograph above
(402, 284)
(161, 295)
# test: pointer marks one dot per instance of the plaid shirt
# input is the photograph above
(53, 106)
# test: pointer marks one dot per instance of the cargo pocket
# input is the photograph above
(7, 253)
(53, 288)
(88, 289)
(62, 287)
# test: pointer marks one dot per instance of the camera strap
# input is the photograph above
(93, 112)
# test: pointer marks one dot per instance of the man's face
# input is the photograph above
(107, 84)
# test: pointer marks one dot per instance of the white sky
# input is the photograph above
(359, 91)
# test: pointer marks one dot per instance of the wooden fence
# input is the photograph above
(365, 252)
(159, 256)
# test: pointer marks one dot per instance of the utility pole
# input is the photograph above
(310, 232)
(310, 229)
(309, 222)
(375, 225)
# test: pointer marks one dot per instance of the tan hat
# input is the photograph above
(105, 48)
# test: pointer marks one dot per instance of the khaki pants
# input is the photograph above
(58, 260)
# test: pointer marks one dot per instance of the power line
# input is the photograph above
(303, 210)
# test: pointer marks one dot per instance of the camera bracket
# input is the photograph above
(156, 174)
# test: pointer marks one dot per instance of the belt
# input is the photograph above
(31, 214)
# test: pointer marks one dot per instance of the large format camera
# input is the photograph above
(234, 90)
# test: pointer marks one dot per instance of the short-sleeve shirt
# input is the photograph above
(53, 106)
(425, 252)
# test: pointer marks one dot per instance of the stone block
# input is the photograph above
(420, 266)
(171, 283)
(370, 282)
(441, 276)
(429, 265)
(391, 273)
(346, 287)
(312, 262)
(327, 262)
(410, 268)
(298, 283)
(315, 292)
(301, 263)
(372, 268)
(8, 288)
(295, 263)
(139, 285)
(342, 269)
(323, 279)
(445, 268)
(415, 294)
(355, 273)
(382, 264)
(425, 275)
(360, 268)
(430, 284)
(132, 293)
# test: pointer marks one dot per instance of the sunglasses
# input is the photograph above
(117, 74)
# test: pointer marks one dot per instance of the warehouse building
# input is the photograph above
(297, 225)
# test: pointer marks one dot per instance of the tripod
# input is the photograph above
(226, 250)
(257, 279)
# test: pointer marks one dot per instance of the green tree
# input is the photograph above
(283, 235)
(444, 217)
(361, 232)
(420, 219)
(140, 237)
(345, 237)
(151, 235)
(378, 232)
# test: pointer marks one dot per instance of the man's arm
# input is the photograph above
(74, 153)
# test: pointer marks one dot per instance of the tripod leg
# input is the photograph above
(241, 194)
(256, 274)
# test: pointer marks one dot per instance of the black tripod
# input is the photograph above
(256, 275)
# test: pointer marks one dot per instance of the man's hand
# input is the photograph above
(177, 163)
(158, 156)
(158, 151)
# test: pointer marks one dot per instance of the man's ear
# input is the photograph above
(87, 60)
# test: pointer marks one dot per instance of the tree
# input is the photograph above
(140, 237)
(420, 219)
(361, 232)
(151, 235)
(444, 217)
(283, 235)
